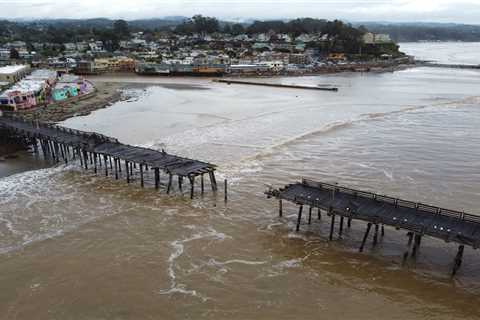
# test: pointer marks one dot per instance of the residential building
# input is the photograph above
(12, 74)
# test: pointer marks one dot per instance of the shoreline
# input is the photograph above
(105, 94)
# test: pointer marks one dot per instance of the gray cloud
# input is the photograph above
(460, 11)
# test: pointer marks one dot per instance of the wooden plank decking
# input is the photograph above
(416, 218)
(58, 143)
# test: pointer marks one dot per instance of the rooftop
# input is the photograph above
(12, 69)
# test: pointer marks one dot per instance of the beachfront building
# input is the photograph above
(69, 86)
(12, 74)
(30, 92)
(115, 64)
(376, 38)
(26, 94)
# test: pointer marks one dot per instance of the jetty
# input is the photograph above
(448, 66)
(376, 210)
(102, 153)
(275, 85)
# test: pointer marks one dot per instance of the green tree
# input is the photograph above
(237, 29)
(14, 55)
(121, 29)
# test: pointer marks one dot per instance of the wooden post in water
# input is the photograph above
(213, 181)
(375, 235)
(180, 183)
(116, 161)
(106, 166)
(332, 226)
(280, 208)
(310, 215)
(365, 236)
(127, 171)
(95, 162)
(85, 159)
(142, 184)
(416, 244)
(341, 227)
(192, 186)
(458, 260)
(157, 178)
(202, 186)
(319, 214)
(226, 191)
(409, 243)
(299, 220)
(81, 158)
(170, 180)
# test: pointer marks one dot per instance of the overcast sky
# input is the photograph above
(458, 11)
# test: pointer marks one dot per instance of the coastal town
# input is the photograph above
(36, 74)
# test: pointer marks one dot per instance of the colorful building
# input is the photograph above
(69, 86)
(26, 94)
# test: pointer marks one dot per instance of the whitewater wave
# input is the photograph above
(179, 248)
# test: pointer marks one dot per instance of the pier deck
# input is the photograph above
(416, 218)
(59, 143)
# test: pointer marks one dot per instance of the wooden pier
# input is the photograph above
(105, 154)
(276, 85)
(377, 210)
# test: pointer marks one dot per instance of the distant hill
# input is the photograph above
(147, 24)
(414, 32)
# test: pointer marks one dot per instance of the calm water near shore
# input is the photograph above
(78, 246)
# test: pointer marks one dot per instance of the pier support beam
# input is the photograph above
(299, 219)
(142, 183)
(213, 181)
(332, 226)
(280, 208)
(202, 184)
(127, 171)
(310, 215)
(180, 183)
(375, 235)
(365, 236)
(116, 162)
(458, 260)
(225, 192)
(192, 186)
(409, 244)
(319, 213)
(157, 178)
(105, 160)
(341, 227)
(416, 244)
(170, 180)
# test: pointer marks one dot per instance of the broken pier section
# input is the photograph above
(100, 152)
(378, 211)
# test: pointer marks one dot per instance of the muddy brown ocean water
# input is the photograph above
(76, 246)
